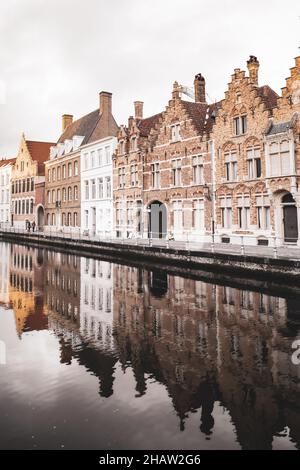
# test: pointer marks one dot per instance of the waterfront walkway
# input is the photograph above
(289, 251)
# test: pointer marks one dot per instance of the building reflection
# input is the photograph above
(26, 288)
(207, 344)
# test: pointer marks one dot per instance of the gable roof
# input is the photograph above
(279, 128)
(39, 152)
(7, 161)
(145, 125)
(202, 114)
(93, 126)
(268, 95)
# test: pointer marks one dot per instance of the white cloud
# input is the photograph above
(56, 56)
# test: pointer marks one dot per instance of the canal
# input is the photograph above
(97, 355)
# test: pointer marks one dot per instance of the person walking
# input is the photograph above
(29, 226)
(33, 226)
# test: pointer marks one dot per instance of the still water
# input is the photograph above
(106, 356)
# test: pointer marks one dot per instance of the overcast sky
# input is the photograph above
(56, 55)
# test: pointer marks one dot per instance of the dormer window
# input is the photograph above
(175, 132)
(122, 147)
(133, 143)
(240, 125)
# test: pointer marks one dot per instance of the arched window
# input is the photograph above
(53, 174)
(64, 194)
(48, 219)
(75, 193)
(75, 219)
(31, 206)
(27, 206)
(69, 219)
(69, 193)
(58, 195)
(53, 196)
(49, 197)
(53, 219)
(63, 219)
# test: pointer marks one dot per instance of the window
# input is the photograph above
(86, 218)
(58, 195)
(198, 214)
(49, 176)
(243, 203)
(107, 155)
(53, 196)
(121, 174)
(75, 193)
(28, 184)
(69, 193)
(175, 132)
(22, 165)
(86, 161)
(92, 159)
(133, 144)
(198, 169)
(75, 215)
(27, 206)
(69, 170)
(176, 172)
(64, 171)
(134, 175)
(69, 223)
(155, 175)
(53, 219)
(64, 194)
(49, 197)
(93, 189)
(32, 184)
(130, 213)
(76, 168)
(108, 186)
(53, 174)
(121, 147)
(279, 158)
(254, 163)
(240, 125)
(63, 218)
(226, 212)
(263, 212)
(86, 185)
(231, 166)
(100, 188)
(177, 212)
(58, 173)
(31, 206)
(100, 157)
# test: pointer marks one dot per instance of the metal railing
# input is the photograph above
(187, 242)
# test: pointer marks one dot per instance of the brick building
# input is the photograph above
(63, 169)
(162, 170)
(256, 144)
(27, 183)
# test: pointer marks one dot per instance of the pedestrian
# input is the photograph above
(33, 226)
(29, 226)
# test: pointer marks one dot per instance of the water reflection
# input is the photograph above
(222, 354)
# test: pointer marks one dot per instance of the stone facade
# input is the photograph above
(27, 184)
(5, 192)
(162, 170)
(255, 160)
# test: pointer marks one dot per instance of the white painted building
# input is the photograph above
(96, 303)
(5, 192)
(96, 187)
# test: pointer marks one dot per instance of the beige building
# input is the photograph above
(27, 183)
(63, 169)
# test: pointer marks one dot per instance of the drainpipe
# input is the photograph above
(213, 189)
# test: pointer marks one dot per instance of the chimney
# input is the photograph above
(138, 109)
(105, 102)
(253, 66)
(199, 87)
(67, 120)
